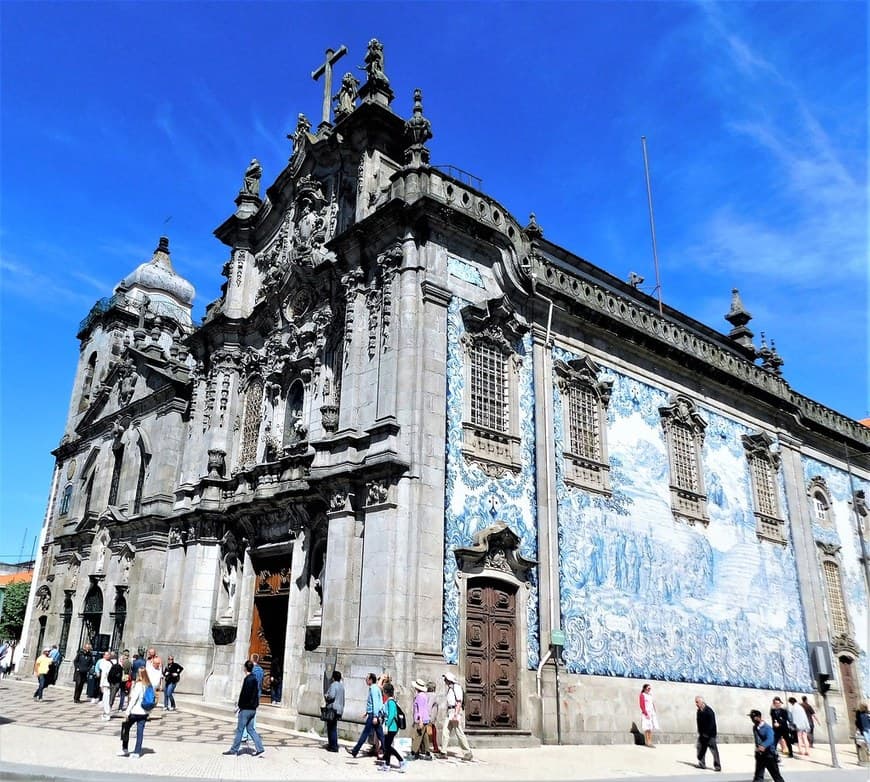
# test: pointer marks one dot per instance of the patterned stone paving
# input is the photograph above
(57, 711)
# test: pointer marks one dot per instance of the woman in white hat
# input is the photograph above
(420, 734)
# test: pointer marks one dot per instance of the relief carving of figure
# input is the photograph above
(300, 135)
(128, 376)
(346, 96)
(229, 571)
(252, 179)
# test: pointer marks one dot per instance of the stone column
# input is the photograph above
(341, 584)
(297, 619)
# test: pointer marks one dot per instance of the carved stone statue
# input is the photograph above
(252, 179)
(229, 572)
(300, 135)
(374, 61)
(346, 96)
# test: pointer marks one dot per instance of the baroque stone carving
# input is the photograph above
(251, 184)
(345, 98)
(495, 548)
(43, 598)
(377, 492)
(223, 634)
(329, 418)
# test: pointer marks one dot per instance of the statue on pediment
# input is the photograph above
(251, 185)
(345, 98)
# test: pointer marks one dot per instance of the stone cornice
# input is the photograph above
(621, 313)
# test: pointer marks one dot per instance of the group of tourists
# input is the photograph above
(384, 719)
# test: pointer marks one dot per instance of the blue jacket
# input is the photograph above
(764, 737)
(375, 700)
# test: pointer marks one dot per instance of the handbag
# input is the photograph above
(327, 713)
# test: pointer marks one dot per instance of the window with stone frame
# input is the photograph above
(820, 502)
(87, 382)
(763, 470)
(295, 431)
(836, 605)
(252, 418)
(584, 417)
(118, 463)
(684, 429)
(65, 500)
(491, 418)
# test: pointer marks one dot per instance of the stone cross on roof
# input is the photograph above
(332, 57)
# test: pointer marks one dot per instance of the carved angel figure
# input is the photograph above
(252, 178)
(374, 61)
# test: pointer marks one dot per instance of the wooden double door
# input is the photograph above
(269, 625)
(491, 655)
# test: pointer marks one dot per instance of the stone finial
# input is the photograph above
(738, 317)
(162, 245)
(418, 130)
(770, 358)
(533, 230)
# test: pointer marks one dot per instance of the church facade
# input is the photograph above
(412, 435)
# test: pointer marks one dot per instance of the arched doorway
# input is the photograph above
(66, 621)
(120, 617)
(269, 619)
(92, 618)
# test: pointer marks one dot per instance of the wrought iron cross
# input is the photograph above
(332, 57)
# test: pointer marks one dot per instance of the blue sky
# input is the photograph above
(123, 121)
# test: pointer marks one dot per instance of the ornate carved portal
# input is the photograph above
(269, 619)
(491, 654)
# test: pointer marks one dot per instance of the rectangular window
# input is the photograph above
(839, 624)
(583, 423)
(685, 466)
(251, 427)
(489, 400)
(765, 488)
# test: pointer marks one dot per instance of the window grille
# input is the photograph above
(251, 429)
(583, 423)
(765, 487)
(839, 624)
(684, 462)
(489, 400)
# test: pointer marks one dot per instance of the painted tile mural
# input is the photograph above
(844, 533)
(475, 501)
(646, 596)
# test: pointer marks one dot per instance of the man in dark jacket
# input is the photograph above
(249, 699)
(779, 722)
(82, 664)
(765, 749)
(706, 718)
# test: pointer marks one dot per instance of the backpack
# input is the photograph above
(401, 722)
(116, 673)
(149, 699)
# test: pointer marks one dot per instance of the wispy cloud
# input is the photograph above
(23, 281)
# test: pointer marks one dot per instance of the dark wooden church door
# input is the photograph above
(491, 655)
(269, 625)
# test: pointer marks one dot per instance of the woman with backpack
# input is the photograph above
(391, 728)
(142, 700)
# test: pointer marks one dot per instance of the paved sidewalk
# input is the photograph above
(58, 740)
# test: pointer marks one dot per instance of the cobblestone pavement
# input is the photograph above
(58, 711)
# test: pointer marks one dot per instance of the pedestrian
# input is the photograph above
(136, 714)
(420, 734)
(391, 728)
(82, 664)
(706, 719)
(260, 676)
(249, 700)
(103, 667)
(56, 659)
(334, 699)
(811, 718)
(779, 723)
(862, 722)
(798, 717)
(126, 681)
(94, 679)
(6, 659)
(649, 720)
(171, 677)
(138, 662)
(154, 669)
(434, 708)
(455, 716)
(40, 668)
(765, 749)
(116, 677)
(374, 709)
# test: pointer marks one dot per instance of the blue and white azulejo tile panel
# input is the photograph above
(646, 596)
(474, 501)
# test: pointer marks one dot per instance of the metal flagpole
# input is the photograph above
(652, 223)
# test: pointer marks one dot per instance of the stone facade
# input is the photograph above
(413, 435)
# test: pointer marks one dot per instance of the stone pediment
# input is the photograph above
(495, 548)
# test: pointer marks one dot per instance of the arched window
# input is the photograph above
(684, 430)
(820, 502)
(839, 621)
(293, 427)
(88, 382)
(252, 419)
(65, 500)
(140, 478)
(822, 509)
(764, 461)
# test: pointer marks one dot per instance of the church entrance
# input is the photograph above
(849, 684)
(269, 625)
(491, 654)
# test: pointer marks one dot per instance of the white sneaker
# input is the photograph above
(134, 754)
(122, 753)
